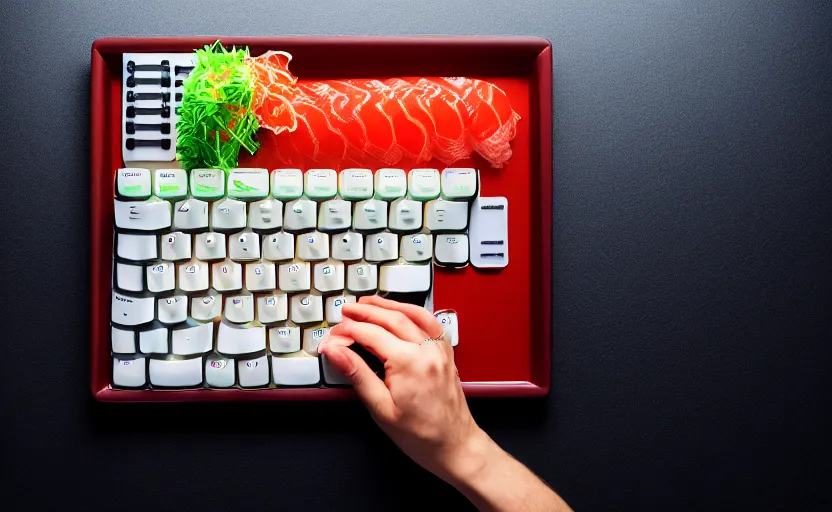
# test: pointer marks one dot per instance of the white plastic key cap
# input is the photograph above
(176, 246)
(294, 277)
(133, 183)
(284, 339)
(348, 246)
(451, 250)
(381, 247)
(249, 184)
(206, 307)
(197, 339)
(423, 184)
(405, 215)
(272, 308)
(313, 246)
(450, 326)
(442, 215)
(244, 246)
(154, 341)
(279, 246)
(488, 233)
(335, 215)
(355, 184)
(390, 184)
(193, 275)
(370, 215)
(266, 215)
(260, 276)
(404, 278)
(287, 184)
(129, 310)
(219, 372)
(172, 310)
(161, 277)
(239, 308)
(235, 339)
(170, 183)
(129, 373)
(176, 373)
(362, 277)
(228, 215)
(207, 184)
(295, 370)
(305, 309)
(300, 215)
(123, 341)
(130, 277)
(190, 214)
(253, 373)
(320, 184)
(333, 307)
(328, 276)
(210, 246)
(332, 376)
(417, 248)
(150, 215)
(136, 247)
(459, 183)
(312, 337)
(226, 276)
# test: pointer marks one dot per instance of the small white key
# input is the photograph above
(441, 215)
(193, 276)
(287, 184)
(423, 184)
(356, 184)
(260, 277)
(130, 277)
(417, 248)
(170, 183)
(210, 246)
(129, 310)
(405, 215)
(129, 373)
(176, 373)
(149, 215)
(488, 234)
(226, 276)
(390, 184)
(451, 250)
(284, 339)
(305, 308)
(228, 215)
(219, 372)
(348, 246)
(448, 320)
(381, 247)
(362, 277)
(459, 183)
(272, 308)
(370, 215)
(133, 183)
(123, 342)
(206, 307)
(207, 184)
(335, 215)
(244, 246)
(312, 338)
(161, 277)
(332, 376)
(136, 247)
(279, 246)
(176, 246)
(295, 370)
(266, 215)
(329, 276)
(313, 246)
(172, 310)
(294, 277)
(300, 215)
(197, 339)
(404, 278)
(235, 339)
(154, 341)
(320, 184)
(190, 214)
(253, 373)
(249, 184)
(239, 309)
(333, 307)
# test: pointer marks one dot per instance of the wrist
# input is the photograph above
(472, 460)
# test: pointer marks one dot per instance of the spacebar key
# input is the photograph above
(233, 339)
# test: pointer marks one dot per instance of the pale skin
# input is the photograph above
(421, 406)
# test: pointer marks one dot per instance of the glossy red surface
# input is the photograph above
(504, 316)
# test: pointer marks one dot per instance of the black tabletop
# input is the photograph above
(693, 174)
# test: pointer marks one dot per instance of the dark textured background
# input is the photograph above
(691, 273)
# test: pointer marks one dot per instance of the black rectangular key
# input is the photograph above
(182, 69)
(140, 96)
(132, 67)
(160, 111)
(163, 81)
(132, 143)
(131, 127)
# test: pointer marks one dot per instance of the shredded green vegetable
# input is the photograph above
(215, 119)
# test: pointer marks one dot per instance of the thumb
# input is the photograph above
(369, 388)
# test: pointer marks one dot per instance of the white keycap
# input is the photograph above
(370, 215)
(272, 308)
(266, 214)
(219, 372)
(124, 342)
(294, 277)
(300, 215)
(284, 339)
(355, 184)
(404, 278)
(235, 339)
(287, 184)
(130, 277)
(279, 246)
(312, 337)
(129, 310)
(176, 373)
(441, 215)
(459, 183)
(136, 247)
(244, 246)
(260, 276)
(329, 276)
(451, 250)
(176, 246)
(381, 247)
(320, 184)
(348, 246)
(253, 373)
(172, 310)
(190, 214)
(305, 308)
(332, 376)
(226, 276)
(161, 277)
(313, 246)
(193, 276)
(250, 184)
(239, 308)
(198, 339)
(362, 277)
(129, 373)
(210, 246)
(295, 370)
(133, 183)
(207, 184)
(154, 341)
(423, 184)
(333, 307)
(488, 234)
(150, 215)
(170, 183)
(228, 215)
(335, 215)
(448, 320)
(417, 248)
(206, 307)
(405, 215)
(390, 184)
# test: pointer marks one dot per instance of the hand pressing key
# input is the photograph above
(421, 406)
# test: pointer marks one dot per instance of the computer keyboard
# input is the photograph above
(232, 279)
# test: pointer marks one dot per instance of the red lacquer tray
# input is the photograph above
(504, 316)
